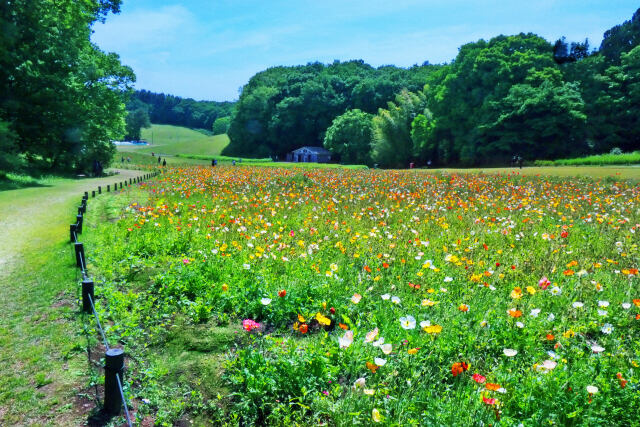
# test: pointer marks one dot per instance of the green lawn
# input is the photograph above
(620, 172)
(44, 373)
(174, 140)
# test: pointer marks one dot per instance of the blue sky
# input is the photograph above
(209, 49)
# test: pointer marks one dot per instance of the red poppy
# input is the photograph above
(489, 401)
(478, 378)
(304, 328)
(458, 368)
(282, 293)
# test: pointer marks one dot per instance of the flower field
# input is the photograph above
(352, 297)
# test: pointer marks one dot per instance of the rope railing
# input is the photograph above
(114, 398)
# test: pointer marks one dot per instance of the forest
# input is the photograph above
(517, 94)
(61, 97)
(174, 110)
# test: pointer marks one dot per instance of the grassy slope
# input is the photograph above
(174, 140)
(43, 364)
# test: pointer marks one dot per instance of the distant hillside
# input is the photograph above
(174, 110)
(168, 139)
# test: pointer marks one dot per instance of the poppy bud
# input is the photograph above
(332, 310)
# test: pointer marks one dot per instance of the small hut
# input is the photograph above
(309, 154)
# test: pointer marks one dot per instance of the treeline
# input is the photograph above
(510, 95)
(61, 98)
(283, 108)
(174, 110)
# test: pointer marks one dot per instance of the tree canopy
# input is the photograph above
(174, 110)
(515, 94)
(284, 108)
(61, 97)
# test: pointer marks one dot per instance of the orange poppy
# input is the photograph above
(372, 367)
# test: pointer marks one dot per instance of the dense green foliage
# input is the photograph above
(621, 38)
(392, 140)
(221, 125)
(135, 121)
(284, 108)
(174, 110)
(61, 98)
(349, 136)
(510, 95)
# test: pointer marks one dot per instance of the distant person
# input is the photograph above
(164, 162)
(122, 161)
(152, 154)
(213, 163)
(128, 159)
(429, 163)
(520, 162)
(233, 162)
(159, 159)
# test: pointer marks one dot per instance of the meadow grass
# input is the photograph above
(168, 139)
(226, 159)
(501, 298)
(310, 165)
(600, 160)
(609, 172)
(44, 372)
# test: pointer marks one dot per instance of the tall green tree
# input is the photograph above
(536, 121)
(221, 125)
(135, 121)
(621, 39)
(61, 95)
(392, 142)
(349, 136)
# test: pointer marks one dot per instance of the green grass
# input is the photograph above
(613, 172)
(43, 364)
(290, 165)
(595, 160)
(224, 159)
(145, 160)
(174, 140)
(11, 181)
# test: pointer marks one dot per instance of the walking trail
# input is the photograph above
(42, 359)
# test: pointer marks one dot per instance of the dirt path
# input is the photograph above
(28, 215)
(43, 364)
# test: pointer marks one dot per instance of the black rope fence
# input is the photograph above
(114, 399)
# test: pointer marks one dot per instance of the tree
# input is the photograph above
(425, 145)
(545, 121)
(621, 39)
(62, 96)
(483, 72)
(221, 125)
(349, 136)
(283, 108)
(618, 103)
(392, 143)
(135, 121)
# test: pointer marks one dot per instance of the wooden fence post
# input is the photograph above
(114, 365)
